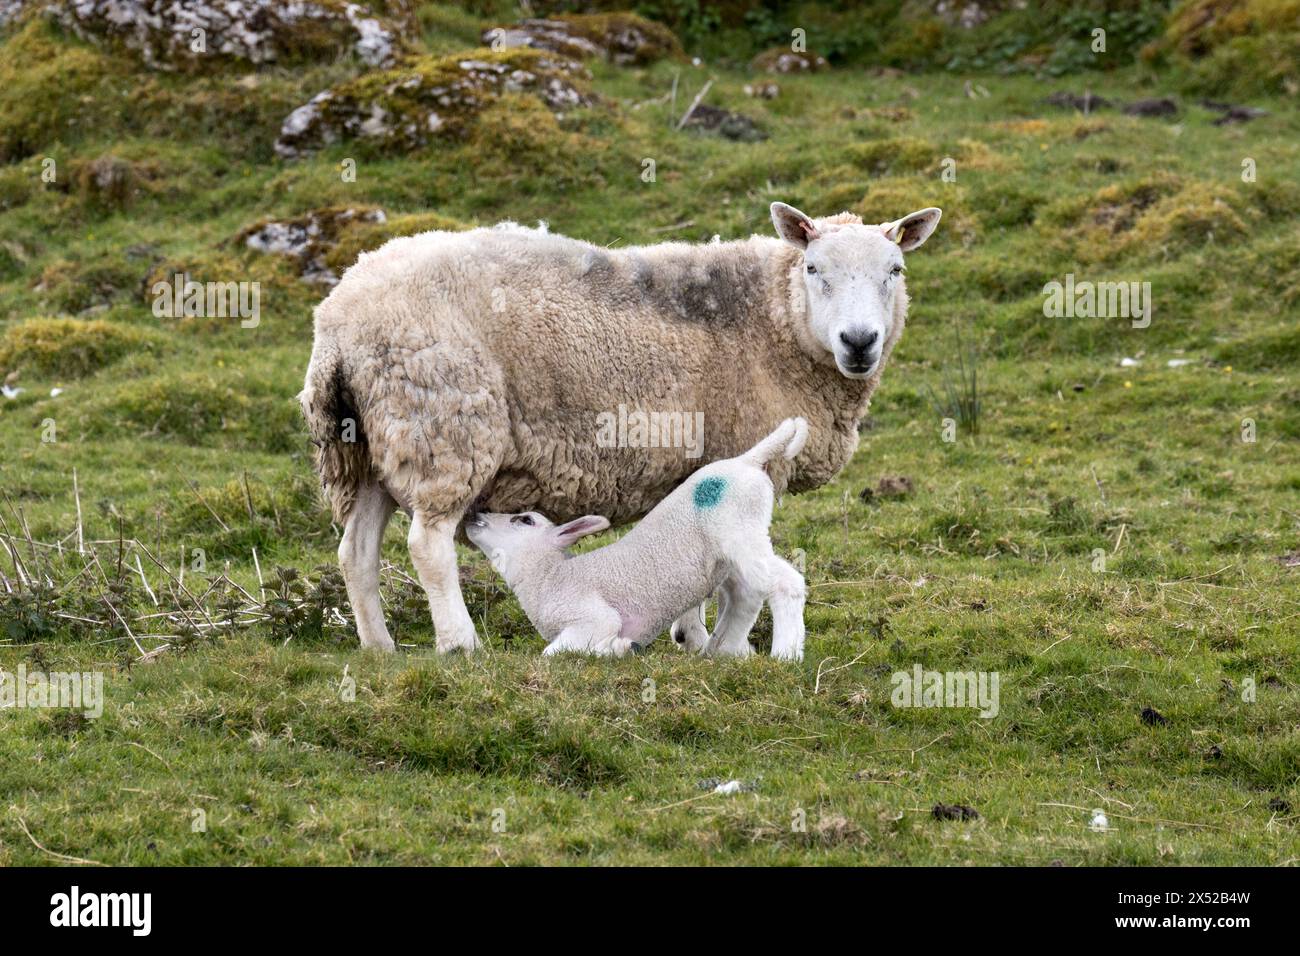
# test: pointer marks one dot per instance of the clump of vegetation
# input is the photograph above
(88, 281)
(1249, 47)
(960, 398)
(1158, 215)
(890, 197)
(1197, 214)
(520, 133)
(367, 235)
(48, 88)
(200, 408)
(901, 154)
(68, 348)
(111, 182)
(246, 512)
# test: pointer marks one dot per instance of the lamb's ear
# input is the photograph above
(793, 226)
(566, 534)
(913, 229)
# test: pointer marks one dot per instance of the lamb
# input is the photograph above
(459, 372)
(710, 534)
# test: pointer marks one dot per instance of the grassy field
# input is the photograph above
(1114, 541)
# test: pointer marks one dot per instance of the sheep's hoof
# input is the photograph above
(637, 649)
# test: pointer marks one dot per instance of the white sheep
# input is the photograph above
(458, 372)
(711, 534)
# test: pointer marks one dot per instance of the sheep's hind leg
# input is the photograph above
(359, 554)
(786, 598)
(433, 551)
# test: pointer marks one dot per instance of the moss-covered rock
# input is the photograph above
(309, 238)
(188, 36)
(325, 242)
(622, 38)
(781, 59)
(430, 97)
(67, 348)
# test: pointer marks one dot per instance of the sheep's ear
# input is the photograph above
(913, 229)
(566, 534)
(793, 226)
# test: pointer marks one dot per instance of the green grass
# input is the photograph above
(987, 566)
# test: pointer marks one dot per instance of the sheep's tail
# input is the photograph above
(787, 441)
(328, 404)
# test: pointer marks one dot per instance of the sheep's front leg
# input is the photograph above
(433, 551)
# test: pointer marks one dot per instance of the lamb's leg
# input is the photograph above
(598, 634)
(786, 599)
(689, 632)
(433, 551)
(359, 552)
(738, 607)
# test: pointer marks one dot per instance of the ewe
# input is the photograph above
(458, 372)
(711, 534)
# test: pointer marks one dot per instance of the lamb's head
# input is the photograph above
(516, 544)
(853, 292)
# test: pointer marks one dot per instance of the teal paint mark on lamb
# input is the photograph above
(709, 492)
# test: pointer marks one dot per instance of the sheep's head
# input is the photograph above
(515, 543)
(852, 276)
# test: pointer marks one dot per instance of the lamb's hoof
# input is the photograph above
(637, 649)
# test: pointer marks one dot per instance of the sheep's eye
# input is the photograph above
(812, 269)
(523, 519)
(896, 271)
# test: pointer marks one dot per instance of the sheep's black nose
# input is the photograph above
(859, 341)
